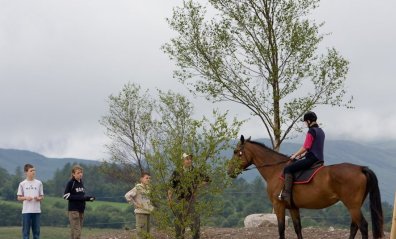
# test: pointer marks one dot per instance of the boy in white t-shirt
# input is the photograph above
(30, 192)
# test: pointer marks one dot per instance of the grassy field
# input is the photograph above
(93, 205)
(99, 214)
(119, 205)
(54, 232)
(58, 200)
(11, 203)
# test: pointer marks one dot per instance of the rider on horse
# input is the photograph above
(313, 150)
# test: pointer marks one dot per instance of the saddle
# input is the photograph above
(306, 175)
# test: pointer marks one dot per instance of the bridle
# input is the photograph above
(241, 153)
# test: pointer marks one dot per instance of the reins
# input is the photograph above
(267, 165)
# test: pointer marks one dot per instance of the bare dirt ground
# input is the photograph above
(249, 233)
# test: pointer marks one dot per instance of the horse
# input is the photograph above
(345, 182)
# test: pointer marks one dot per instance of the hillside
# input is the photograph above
(379, 156)
(10, 159)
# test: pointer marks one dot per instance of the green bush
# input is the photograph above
(10, 214)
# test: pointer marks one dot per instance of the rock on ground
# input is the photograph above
(262, 220)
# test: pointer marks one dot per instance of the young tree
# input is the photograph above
(263, 54)
(9, 186)
(156, 132)
(177, 133)
(128, 124)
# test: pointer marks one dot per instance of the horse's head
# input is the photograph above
(241, 159)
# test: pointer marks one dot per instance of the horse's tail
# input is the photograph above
(377, 218)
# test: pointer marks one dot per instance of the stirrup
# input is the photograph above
(280, 195)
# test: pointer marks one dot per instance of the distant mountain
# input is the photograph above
(10, 159)
(388, 145)
(378, 156)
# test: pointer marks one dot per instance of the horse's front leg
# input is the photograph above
(279, 209)
(295, 215)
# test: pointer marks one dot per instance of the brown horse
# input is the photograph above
(344, 182)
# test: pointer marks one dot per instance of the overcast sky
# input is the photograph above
(60, 60)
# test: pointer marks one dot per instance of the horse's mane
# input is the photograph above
(266, 147)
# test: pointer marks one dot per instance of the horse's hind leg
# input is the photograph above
(295, 215)
(363, 226)
(353, 230)
(358, 221)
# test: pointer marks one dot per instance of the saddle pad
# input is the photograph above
(305, 176)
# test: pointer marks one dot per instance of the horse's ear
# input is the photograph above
(242, 139)
(249, 138)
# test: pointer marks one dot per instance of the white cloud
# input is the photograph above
(60, 60)
(363, 126)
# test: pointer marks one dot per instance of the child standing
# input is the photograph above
(30, 192)
(139, 197)
(75, 194)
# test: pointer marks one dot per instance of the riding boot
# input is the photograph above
(286, 193)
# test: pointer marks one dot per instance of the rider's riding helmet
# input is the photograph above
(311, 116)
